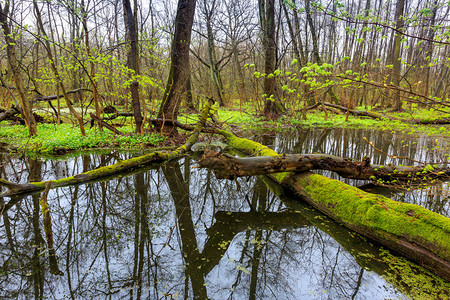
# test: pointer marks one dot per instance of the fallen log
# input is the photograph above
(120, 167)
(106, 125)
(411, 230)
(379, 116)
(354, 112)
(405, 275)
(54, 97)
(8, 113)
(226, 166)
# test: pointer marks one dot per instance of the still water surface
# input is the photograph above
(176, 232)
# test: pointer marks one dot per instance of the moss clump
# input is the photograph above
(254, 148)
(414, 281)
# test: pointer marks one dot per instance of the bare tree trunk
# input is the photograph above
(316, 46)
(91, 64)
(132, 61)
(429, 47)
(215, 75)
(179, 69)
(12, 59)
(272, 106)
(396, 61)
(55, 70)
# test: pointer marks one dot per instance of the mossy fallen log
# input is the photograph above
(117, 168)
(408, 277)
(226, 166)
(411, 230)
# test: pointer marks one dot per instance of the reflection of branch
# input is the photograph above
(392, 156)
(47, 220)
(228, 224)
(358, 283)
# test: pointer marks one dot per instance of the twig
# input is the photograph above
(392, 156)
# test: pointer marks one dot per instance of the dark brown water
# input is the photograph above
(174, 231)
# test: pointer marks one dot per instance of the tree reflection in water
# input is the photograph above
(177, 232)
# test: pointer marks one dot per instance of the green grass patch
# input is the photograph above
(55, 139)
(250, 120)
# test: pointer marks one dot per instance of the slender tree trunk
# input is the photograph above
(272, 106)
(91, 64)
(12, 60)
(55, 70)
(132, 61)
(316, 45)
(429, 47)
(215, 75)
(396, 59)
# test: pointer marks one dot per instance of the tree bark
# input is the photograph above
(179, 68)
(26, 109)
(396, 59)
(226, 166)
(272, 106)
(215, 74)
(91, 64)
(132, 61)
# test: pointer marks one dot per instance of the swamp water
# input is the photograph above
(176, 232)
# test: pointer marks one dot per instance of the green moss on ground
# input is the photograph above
(251, 120)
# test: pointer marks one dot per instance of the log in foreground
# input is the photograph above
(226, 166)
(411, 230)
(117, 168)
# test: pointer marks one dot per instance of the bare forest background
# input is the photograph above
(272, 55)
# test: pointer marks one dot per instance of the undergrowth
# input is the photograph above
(64, 137)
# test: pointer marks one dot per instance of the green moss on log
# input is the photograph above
(117, 168)
(412, 230)
(253, 148)
(354, 206)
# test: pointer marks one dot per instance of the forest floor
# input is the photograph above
(53, 139)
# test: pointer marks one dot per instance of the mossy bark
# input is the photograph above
(411, 230)
(226, 166)
(408, 277)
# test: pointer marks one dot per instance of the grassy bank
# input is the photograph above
(253, 121)
(52, 139)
